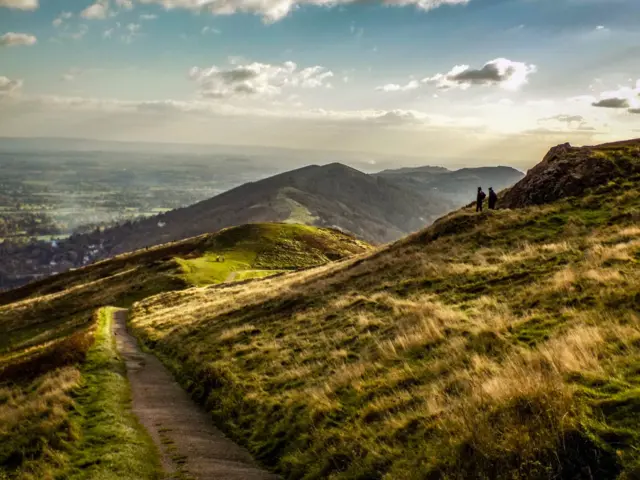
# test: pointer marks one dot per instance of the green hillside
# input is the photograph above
(63, 400)
(496, 345)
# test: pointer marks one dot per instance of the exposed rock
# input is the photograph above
(568, 171)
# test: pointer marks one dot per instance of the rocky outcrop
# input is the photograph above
(568, 171)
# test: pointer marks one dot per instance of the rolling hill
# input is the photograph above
(497, 345)
(376, 208)
(63, 400)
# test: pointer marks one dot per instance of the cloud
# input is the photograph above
(132, 31)
(208, 29)
(148, 16)
(501, 71)
(612, 103)
(566, 123)
(623, 97)
(400, 117)
(59, 20)
(126, 33)
(257, 79)
(20, 4)
(11, 39)
(75, 35)
(390, 118)
(394, 87)
(274, 10)
(72, 74)
(125, 4)
(563, 118)
(9, 87)
(97, 11)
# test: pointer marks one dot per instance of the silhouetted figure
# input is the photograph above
(480, 199)
(493, 199)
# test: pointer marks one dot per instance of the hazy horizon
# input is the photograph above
(287, 158)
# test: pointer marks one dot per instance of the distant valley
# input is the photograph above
(377, 208)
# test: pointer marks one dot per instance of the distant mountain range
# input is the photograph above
(377, 208)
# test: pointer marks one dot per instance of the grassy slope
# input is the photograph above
(47, 328)
(76, 421)
(499, 345)
(113, 444)
(254, 250)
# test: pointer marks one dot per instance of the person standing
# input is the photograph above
(480, 199)
(493, 199)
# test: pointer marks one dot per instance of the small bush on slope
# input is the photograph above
(503, 345)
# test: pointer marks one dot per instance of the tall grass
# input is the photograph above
(502, 345)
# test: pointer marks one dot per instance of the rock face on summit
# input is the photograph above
(568, 171)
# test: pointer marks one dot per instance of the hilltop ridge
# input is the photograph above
(569, 171)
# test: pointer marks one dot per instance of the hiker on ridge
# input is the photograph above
(493, 199)
(480, 199)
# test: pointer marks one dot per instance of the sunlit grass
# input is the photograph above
(502, 345)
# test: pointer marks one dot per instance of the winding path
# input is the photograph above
(190, 445)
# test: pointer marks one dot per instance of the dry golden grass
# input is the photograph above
(462, 349)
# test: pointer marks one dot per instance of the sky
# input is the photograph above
(486, 81)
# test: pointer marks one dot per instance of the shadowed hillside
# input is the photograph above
(377, 208)
(336, 196)
(498, 345)
(56, 345)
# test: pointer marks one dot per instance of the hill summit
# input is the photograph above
(568, 171)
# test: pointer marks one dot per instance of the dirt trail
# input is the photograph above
(191, 447)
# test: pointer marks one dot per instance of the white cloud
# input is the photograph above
(622, 98)
(394, 87)
(274, 10)
(132, 31)
(59, 20)
(394, 119)
(72, 74)
(13, 39)
(97, 11)
(208, 29)
(20, 4)
(148, 16)
(125, 4)
(77, 34)
(506, 73)
(257, 79)
(9, 87)
(567, 123)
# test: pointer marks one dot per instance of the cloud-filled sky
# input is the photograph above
(495, 81)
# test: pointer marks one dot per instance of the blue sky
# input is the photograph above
(442, 78)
